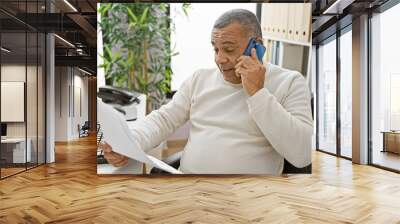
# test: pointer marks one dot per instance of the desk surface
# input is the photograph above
(390, 132)
(13, 140)
(132, 168)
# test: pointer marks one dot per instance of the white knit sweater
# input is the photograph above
(231, 132)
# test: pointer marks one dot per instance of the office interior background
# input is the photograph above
(351, 73)
(356, 83)
(48, 74)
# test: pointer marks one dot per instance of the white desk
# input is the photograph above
(133, 167)
(18, 151)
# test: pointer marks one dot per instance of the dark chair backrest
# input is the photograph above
(289, 168)
(86, 125)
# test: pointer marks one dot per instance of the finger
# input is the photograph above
(241, 58)
(243, 63)
(124, 163)
(238, 65)
(114, 160)
(121, 163)
(240, 71)
(106, 147)
(112, 155)
(237, 71)
(253, 54)
(116, 156)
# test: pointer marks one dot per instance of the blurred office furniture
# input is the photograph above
(13, 151)
(12, 101)
(391, 141)
(3, 130)
(83, 130)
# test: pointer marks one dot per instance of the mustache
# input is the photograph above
(225, 69)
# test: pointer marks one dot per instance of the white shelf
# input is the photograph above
(265, 37)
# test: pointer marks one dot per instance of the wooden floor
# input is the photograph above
(70, 191)
(387, 159)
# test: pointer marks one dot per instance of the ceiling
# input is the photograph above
(331, 15)
(74, 22)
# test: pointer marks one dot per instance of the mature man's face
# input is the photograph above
(229, 44)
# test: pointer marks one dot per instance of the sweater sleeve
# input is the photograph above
(287, 126)
(159, 124)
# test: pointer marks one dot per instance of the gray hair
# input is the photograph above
(244, 17)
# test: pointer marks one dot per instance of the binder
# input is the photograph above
(265, 19)
(284, 14)
(273, 20)
(306, 24)
(279, 18)
(298, 24)
(291, 21)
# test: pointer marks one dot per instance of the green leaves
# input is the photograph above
(144, 15)
(127, 61)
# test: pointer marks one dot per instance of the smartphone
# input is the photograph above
(260, 49)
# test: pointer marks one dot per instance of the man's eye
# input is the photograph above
(229, 49)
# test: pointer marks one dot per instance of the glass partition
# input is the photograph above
(327, 97)
(385, 89)
(22, 77)
(346, 94)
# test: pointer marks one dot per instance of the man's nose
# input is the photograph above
(220, 58)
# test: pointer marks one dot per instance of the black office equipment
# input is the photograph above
(111, 94)
(3, 129)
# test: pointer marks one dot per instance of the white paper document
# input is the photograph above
(118, 135)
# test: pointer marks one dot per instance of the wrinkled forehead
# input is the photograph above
(233, 34)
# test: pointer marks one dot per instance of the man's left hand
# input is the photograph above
(252, 72)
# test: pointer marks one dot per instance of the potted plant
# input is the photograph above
(137, 48)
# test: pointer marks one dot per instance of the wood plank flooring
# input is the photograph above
(70, 191)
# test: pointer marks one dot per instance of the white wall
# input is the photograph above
(69, 82)
(192, 37)
(292, 57)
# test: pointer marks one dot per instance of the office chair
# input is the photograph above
(84, 130)
(174, 161)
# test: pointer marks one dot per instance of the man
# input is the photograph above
(246, 117)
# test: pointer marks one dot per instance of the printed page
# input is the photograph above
(118, 135)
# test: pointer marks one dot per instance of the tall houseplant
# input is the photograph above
(137, 48)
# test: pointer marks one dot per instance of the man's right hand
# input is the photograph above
(113, 158)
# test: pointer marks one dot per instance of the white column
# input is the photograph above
(50, 100)
(360, 90)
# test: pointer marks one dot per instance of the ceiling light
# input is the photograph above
(5, 50)
(86, 72)
(338, 6)
(65, 41)
(70, 5)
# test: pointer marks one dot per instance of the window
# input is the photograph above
(385, 88)
(22, 75)
(346, 94)
(327, 97)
